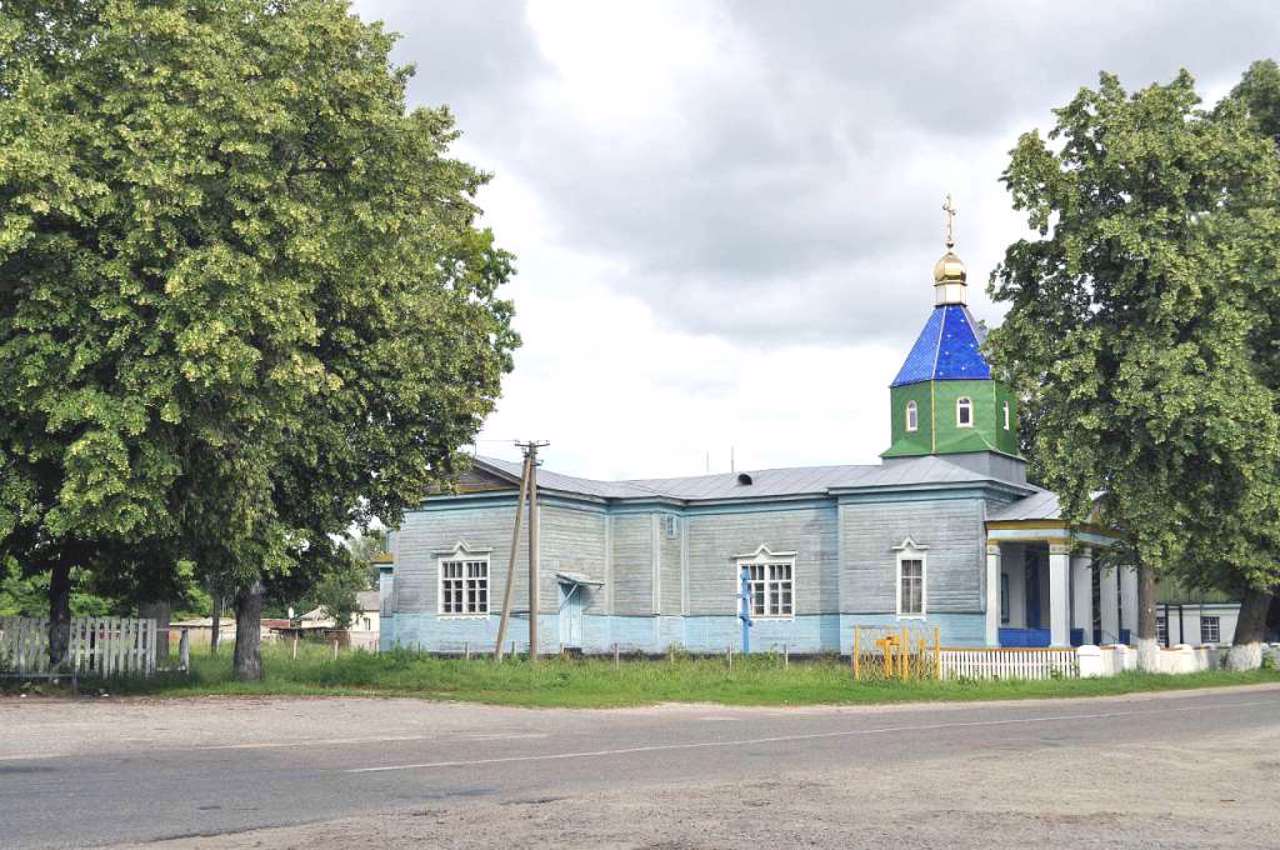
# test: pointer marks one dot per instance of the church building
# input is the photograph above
(945, 531)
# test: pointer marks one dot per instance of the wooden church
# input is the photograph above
(944, 532)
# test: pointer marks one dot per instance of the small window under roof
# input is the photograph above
(743, 478)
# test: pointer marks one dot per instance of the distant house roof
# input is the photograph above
(366, 600)
(767, 483)
(948, 349)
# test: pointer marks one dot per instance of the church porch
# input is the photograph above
(1043, 589)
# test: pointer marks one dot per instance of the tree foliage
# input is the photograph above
(1141, 327)
(244, 302)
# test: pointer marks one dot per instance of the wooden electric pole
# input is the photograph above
(532, 447)
(511, 563)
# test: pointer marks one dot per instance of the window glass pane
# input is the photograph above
(912, 587)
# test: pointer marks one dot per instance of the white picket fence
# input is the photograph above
(100, 646)
(1009, 663)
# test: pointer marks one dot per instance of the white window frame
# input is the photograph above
(1217, 627)
(966, 403)
(913, 416)
(466, 556)
(1006, 415)
(912, 551)
(762, 557)
(1162, 629)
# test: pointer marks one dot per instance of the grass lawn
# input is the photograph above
(597, 683)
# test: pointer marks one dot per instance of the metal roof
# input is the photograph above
(948, 349)
(578, 578)
(787, 482)
(1040, 505)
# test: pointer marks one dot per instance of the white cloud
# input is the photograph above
(726, 214)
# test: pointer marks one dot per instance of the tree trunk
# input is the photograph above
(1148, 648)
(1251, 629)
(215, 636)
(248, 655)
(158, 610)
(59, 614)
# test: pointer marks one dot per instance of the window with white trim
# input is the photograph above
(1006, 416)
(964, 412)
(1210, 630)
(1162, 630)
(911, 585)
(770, 586)
(913, 416)
(464, 585)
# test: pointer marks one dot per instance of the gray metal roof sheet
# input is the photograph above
(1040, 505)
(791, 481)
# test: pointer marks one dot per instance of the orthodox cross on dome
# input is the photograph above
(950, 209)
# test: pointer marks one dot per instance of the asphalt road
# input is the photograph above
(102, 772)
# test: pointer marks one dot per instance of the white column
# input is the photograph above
(1082, 593)
(1059, 595)
(993, 593)
(1110, 613)
(1129, 602)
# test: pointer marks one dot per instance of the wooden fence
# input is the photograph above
(1009, 663)
(100, 646)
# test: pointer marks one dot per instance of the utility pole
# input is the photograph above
(532, 448)
(511, 564)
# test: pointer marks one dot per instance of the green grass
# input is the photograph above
(597, 683)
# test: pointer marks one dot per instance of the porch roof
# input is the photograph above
(1040, 505)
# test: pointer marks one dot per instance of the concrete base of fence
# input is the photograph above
(1091, 663)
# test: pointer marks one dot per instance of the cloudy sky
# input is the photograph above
(726, 214)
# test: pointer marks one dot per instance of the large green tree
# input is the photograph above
(244, 302)
(1136, 315)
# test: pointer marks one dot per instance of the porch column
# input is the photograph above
(993, 593)
(1082, 593)
(1110, 607)
(1059, 594)
(1129, 602)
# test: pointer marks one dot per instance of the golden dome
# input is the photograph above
(949, 269)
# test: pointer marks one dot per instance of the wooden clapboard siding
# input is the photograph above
(951, 528)
(424, 534)
(633, 560)
(572, 540)
(716, 539)
(672, 564)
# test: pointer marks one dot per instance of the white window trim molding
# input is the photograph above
(1006, 415)
(909, 550)
(764, 555)
(462, 552)
(969, 424)
(913, 416)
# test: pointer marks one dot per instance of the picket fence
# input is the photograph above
(100, 646)
(1009, 663)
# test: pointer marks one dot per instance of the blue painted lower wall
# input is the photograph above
(802, 634)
